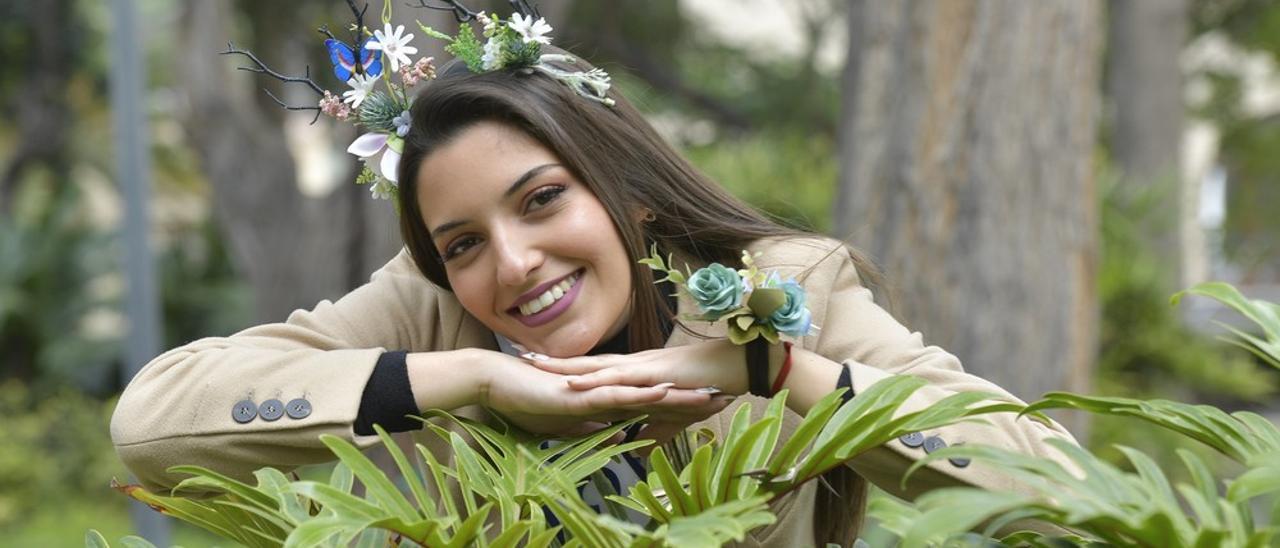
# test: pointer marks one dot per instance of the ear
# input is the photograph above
(643, 215)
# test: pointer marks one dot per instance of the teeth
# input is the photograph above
(549, 297)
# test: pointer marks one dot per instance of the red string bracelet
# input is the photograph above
(786, 368)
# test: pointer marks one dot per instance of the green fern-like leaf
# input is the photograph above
(467, 47)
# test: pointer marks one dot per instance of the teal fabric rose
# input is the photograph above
(793, 318)
(717, 289)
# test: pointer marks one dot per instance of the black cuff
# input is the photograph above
(845, 381)
(758, 368)
(387, 398)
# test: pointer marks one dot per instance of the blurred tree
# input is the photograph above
(1144, 84)
(40, 41)
(294, 248)
(968, 137)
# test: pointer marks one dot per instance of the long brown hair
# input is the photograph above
(625, 163)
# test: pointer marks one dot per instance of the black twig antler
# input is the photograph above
(525, 8)
(262, 68)
(357, 34)
(464, 14)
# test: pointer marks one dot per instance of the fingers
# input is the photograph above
(611, 397)
(571, 366)
(625, 376)
(678, 398)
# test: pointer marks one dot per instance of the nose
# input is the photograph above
(518, 255)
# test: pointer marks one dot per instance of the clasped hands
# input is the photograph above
(575, 396)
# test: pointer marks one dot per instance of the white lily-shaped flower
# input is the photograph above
(492, 50)
(529, 29)
(394, 45)
(368, 146)
(361, 87)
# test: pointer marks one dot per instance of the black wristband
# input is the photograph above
(758, 367)
(845, 381)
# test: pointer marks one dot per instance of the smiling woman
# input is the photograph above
(529, 193)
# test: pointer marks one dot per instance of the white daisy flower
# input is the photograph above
(361, 87)
(395, 46)
(530, 30)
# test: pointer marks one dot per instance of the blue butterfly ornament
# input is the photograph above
(344, 59)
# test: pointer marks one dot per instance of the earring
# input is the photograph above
(649, 216)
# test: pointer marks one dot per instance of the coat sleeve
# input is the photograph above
(261, 397)
(865, 338)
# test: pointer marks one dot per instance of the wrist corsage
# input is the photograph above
(754, 304)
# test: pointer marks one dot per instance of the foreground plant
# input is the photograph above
(1120, 508)
(501, 484)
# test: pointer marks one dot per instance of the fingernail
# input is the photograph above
(570, 379)
(708, 390)
(533, 356)
(664, 385)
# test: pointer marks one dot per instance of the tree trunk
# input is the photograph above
(1144, 81)
(967, 141)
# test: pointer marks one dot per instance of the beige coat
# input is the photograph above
(178, 410)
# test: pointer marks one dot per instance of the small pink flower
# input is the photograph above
(424, 69)
(333, 106)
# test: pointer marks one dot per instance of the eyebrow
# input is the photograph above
(515, 187)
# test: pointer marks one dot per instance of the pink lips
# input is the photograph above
(555, 310)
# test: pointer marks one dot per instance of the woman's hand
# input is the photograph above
(717, 363)
(542, 402)
(688, 368)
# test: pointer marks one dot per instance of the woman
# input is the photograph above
(524, 210)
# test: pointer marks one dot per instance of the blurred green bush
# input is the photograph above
(57, 447)
(792, 176)
(1145, 351)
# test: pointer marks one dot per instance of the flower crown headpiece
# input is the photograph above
(513, 44)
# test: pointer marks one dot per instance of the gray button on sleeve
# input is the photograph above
(933, 443)
(298, 408)
(244, 411)
(271, 409)
(912, 440)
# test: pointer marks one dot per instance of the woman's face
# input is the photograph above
(529, 249)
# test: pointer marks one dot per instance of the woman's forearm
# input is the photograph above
(812, 376)
(447, 380)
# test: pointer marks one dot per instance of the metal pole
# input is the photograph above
(133, 165)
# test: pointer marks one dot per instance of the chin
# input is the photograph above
(565, 343)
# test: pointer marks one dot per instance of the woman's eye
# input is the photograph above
(544, 196)
(460, 246)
